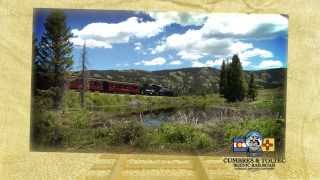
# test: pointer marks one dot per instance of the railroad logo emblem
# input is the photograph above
(254, 141)
(268, 144)
(239, 144)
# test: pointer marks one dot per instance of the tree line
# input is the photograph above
(233, 86)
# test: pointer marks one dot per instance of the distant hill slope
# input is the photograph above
(270, 78)
(188, 80)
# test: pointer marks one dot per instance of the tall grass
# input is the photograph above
(73, 127)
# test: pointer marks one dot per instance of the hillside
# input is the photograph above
(188, 81)
(270, 78)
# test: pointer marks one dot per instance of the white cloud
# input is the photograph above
(239, 47)
(208, 63)
(245, 63)
(181, 18)
(105, 34)
(219, 30)
(175, 62)
(215, 63)
(158, 49)
(256, 52)
(90, 43)
(138, 46)
(244, 26)
(101, 34)
(198, 64)
(223, 35)
(192, 45)
(191, 55)
(266, 64)
(152, 62)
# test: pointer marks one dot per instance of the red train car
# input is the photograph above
(106, 86)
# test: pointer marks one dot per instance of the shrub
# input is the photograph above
(147, 140)
(45, 129)
(202, 141)
(42, 100)
(177, 133)
(127, 132)
(102, 133)
(185, 134)
(79, 119)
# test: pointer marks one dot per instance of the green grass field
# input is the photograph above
(111, 123)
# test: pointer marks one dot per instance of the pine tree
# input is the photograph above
(252, 88)
(223, 79)
(36, 64)
(236, 85)
(54, 56)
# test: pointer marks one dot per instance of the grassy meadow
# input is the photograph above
(117, 122)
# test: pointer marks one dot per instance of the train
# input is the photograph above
(108, 86)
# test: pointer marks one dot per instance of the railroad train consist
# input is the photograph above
(108, 86)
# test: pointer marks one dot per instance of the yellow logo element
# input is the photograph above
(268, 144)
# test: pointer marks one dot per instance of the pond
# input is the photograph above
(155, 120)
(197, 115)
(193, 115)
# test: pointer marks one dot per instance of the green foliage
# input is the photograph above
(177, 133)
(252, 89)
(223, 79)
(126, 104)
(126, 132)
(79, 119)
(184, 134)
(76, 129)
(45, 130)
(235, 88)
(53, 56)
(42, 100)
(202, 141)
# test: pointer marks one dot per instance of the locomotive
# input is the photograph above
(155, 90)
(108, 86)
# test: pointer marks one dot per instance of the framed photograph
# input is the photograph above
(192, 90)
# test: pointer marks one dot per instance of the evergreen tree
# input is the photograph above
(252, 88)
(35, 66)
(236, 85)
(54, 56)
(223, 79)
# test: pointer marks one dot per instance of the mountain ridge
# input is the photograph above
(187, 81)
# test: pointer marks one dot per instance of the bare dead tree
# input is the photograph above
(83, 74)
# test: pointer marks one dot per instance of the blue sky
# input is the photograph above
(171, 40)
